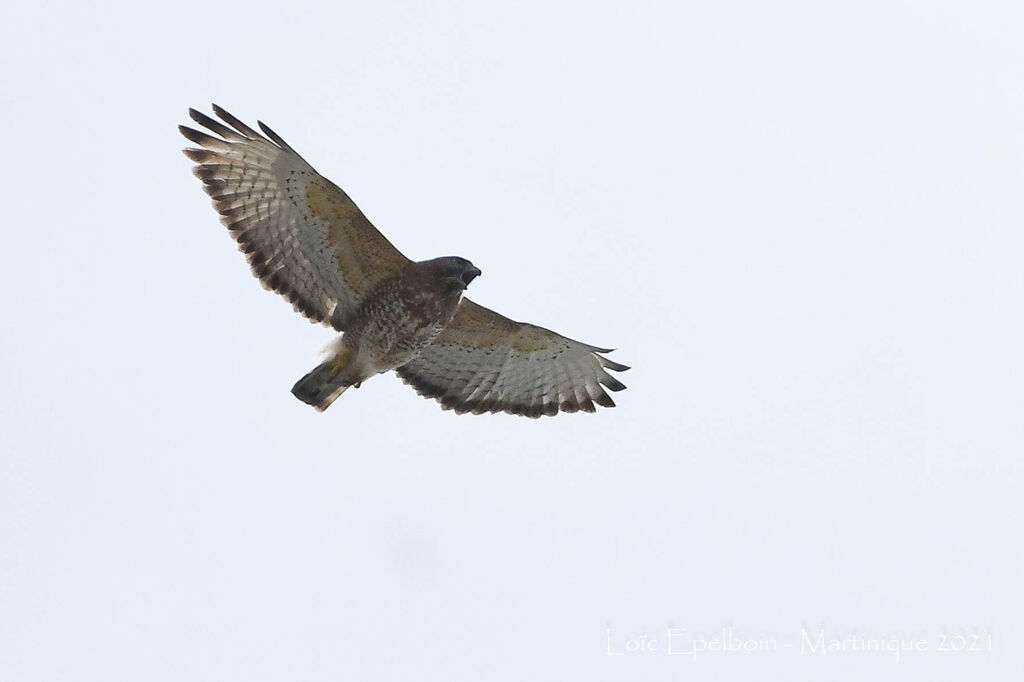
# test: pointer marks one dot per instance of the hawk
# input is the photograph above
(305, 239)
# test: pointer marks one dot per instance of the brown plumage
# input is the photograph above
(305, 239)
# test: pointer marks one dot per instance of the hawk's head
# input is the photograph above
(453, 271)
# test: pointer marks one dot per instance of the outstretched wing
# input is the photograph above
(484, 362)
(302, 235)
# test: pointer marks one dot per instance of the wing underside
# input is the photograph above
(484, 362)
(302, 235)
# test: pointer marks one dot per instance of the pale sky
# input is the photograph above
(800, 223)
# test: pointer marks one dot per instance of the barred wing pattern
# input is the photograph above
(484, 362)
(302, 235)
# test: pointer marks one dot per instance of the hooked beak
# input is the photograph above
(469, 275)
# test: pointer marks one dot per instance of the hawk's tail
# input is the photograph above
(322, 385)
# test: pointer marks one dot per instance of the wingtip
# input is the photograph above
(605, 362)
(277, 139)
(611, 383)
(611, 364)
(221, 113)
(198, 116)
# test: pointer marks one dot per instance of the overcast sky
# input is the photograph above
(800, 223)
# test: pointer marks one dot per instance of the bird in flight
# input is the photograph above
(305, 239)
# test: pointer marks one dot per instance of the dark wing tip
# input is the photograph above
(273, 136)
(216, 126)
(199, 137)
(569, 405)
(240, 127)
(611, 383)
(611, 364)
